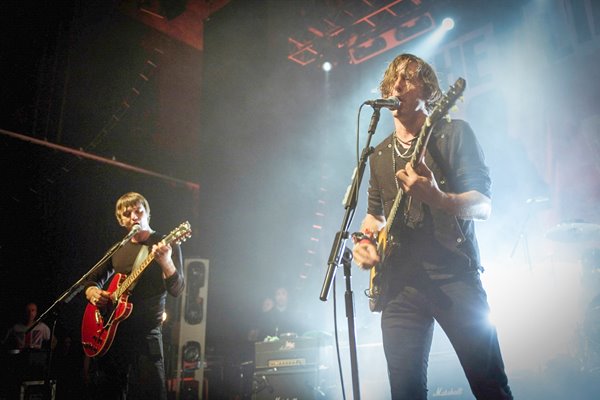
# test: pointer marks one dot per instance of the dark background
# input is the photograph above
(259, 150)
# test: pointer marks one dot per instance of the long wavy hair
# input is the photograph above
(423, 72)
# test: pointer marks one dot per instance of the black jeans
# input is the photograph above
(460, 307)
(133, 368)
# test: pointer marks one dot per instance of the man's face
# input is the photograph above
(31, 312)
(132, 215)
(267, 304)
(409, 88)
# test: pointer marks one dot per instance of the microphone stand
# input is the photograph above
(339, 252)
(66, 297)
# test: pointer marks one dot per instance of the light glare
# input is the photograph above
(447, 24)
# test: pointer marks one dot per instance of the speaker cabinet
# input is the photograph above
(33, 390)
(446, 378)
(192, 330)
(291, 383)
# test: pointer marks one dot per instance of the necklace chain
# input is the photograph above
(406, 143)
(406, 152)
(405, 155)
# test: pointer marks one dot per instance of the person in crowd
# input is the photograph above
(257, 331)
(23, 335)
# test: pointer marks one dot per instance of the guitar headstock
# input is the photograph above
(441, 109)
(179, 234)
(448, 99)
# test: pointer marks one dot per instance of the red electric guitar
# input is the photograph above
(99, 325)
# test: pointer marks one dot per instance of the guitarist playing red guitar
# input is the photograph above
(130, 360)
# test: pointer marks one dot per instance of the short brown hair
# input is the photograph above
(424, 72)
(128, 200)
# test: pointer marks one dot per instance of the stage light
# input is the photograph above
(447, 24)
(326, 66)
(432, 42)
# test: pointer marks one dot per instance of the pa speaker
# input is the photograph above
(192, 330)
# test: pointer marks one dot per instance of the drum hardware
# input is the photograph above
(572, 232)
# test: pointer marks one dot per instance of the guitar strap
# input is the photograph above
(139, 259)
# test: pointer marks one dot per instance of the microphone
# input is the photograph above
(134, 229)
(393, 103)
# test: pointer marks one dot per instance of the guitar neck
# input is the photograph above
(416, 158)
(421, 145)
(135, 274)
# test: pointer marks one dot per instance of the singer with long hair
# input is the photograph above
(423, 248)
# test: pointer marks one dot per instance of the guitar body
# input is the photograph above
(99, 325)
(374, 292)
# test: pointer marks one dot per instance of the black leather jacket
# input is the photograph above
(457, 161)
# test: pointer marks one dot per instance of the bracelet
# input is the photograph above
(362, 237)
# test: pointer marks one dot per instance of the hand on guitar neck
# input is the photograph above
(162, 255)
(420, 183)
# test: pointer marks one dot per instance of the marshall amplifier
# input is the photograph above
(447, 380)
(293, 368)
(302, 352)
(289, 384)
